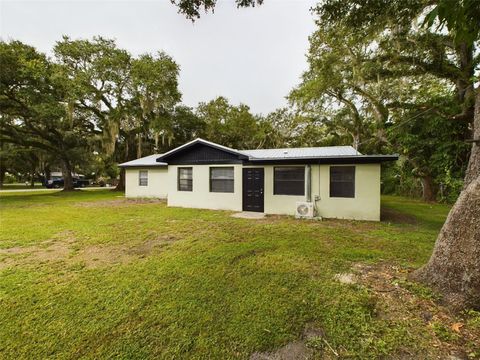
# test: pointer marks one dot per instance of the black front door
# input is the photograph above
(253, 189)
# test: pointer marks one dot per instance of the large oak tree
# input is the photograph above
(34, 108)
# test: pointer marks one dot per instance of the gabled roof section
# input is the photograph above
(200, 142)
(146, 161)
(200, 151)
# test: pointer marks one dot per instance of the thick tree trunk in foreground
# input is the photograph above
(67, 176)
(454, 267)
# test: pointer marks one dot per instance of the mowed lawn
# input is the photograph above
(92, 275)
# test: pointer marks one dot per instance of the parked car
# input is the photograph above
(57, 183)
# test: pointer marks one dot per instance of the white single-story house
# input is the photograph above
(330, 182)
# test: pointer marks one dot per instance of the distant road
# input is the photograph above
(45, 189)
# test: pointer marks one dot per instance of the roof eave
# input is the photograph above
(142, 165)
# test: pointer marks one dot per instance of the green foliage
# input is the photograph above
(418, 289)
(474, 318)
(93, 96)
(443, 332)
(460, 17)
(232, 126)
(154, 94)
(433, 147)
(379, 82)
(192, 8)
(186, 125)
(34, 113)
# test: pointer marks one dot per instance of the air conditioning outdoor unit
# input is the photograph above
(304, 210)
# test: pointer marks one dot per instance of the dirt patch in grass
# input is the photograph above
(312, 345)
(100, 256)
(397, 299)
(296, 350)
(149, 246)
(249, 253)
(397, 217)
(51, 250)
(6, 263)
(64, 247)
(119, 202)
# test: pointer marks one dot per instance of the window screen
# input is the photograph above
(289, 181)
(342, 181)
(185, 180)
(143, 178)
(221, 179)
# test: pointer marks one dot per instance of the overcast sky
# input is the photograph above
(254, 56)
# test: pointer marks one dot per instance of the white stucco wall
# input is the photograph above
(277, 204)
(200, 196)
(364, 206)
(366, 203)
(162, 182)
(157, 183)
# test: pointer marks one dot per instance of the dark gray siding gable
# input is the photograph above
(198, 154)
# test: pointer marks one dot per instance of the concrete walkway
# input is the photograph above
(249, 215)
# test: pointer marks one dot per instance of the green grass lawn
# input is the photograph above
(89, 274)
(21, 186)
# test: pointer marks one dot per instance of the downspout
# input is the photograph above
(308, 183)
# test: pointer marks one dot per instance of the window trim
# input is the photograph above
(354, 182)
(140, 177)
(178, 177)
(275, 191)
(210, 178)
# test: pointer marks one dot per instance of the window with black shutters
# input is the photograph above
(221, 179)
(342, 181)
(289, 181)
(185, 179)
(143, 178)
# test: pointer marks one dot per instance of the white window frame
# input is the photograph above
(143, 180)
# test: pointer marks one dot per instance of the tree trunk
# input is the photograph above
(48, 173)
(3, 171)
(121, 181)
(32, 176)
(428, 191)
(139, 146)
(454, 267)
(67, 176)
